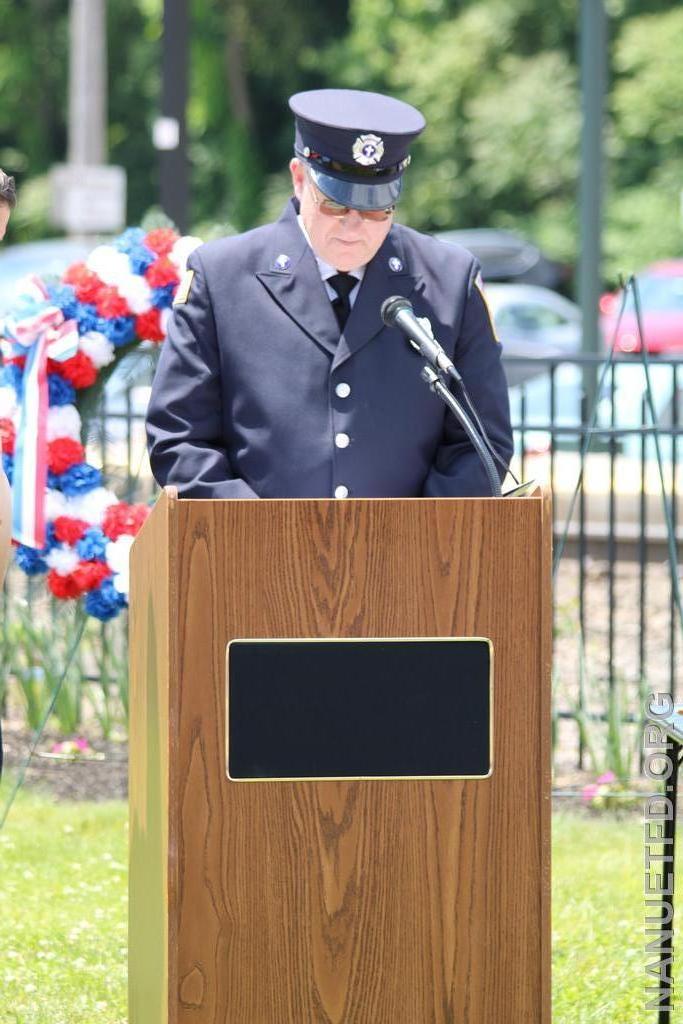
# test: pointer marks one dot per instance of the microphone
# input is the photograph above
(397, 311)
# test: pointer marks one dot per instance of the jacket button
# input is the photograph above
(342, 390)
(341, 491)
(342, 440)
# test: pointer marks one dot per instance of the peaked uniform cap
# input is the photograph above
(355, 143)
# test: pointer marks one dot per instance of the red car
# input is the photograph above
(660, 292)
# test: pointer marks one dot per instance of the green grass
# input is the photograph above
(599, 957)
(63, 917)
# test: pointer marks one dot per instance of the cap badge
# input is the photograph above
(395, 264)
(283, 262)
(368, 150)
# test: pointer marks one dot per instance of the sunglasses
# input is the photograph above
(333, 209)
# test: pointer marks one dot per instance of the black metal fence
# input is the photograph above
(606, 437)
(588, 431)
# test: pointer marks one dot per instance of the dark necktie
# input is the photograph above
(343, 285)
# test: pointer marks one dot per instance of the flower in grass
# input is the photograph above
(77, 746)
(608, 791)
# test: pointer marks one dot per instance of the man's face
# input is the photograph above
(4, 219)
(344, 242)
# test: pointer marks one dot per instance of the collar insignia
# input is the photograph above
(282, 263)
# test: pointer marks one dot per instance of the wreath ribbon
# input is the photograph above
(42, 336)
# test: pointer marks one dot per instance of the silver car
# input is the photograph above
(532, 323)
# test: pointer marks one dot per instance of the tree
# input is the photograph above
(33, 44)
(645, 215)
(502, 120)
(497, 82)
(247, 58)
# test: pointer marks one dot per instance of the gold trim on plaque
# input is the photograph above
(357, 639)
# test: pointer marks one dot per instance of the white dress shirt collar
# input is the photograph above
(326, 269)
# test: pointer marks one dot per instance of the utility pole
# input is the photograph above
(593, 60)
(169, 132)
(87, 83)
(88, 195)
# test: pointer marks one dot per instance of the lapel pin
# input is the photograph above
(395, 264)
(283, 262)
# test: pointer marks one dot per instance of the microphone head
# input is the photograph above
(392, 306)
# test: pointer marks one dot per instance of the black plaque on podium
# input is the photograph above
(359, 709)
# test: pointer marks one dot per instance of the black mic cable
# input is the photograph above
(482, 431)
(436, 384)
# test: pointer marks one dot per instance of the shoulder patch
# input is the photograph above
(183, 292)
(479, 285)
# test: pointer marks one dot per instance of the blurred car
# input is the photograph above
(660, 292)
(541, 405)
(48, 258)
(532, 323)
(504, 256)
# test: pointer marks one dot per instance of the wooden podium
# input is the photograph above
(337, 902)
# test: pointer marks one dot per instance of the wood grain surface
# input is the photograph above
(149, 622)
(377, 902)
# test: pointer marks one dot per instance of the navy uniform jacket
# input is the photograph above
(246, 400)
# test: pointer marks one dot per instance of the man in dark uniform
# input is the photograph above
(278, 377)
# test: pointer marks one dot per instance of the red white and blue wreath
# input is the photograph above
(60, 340)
